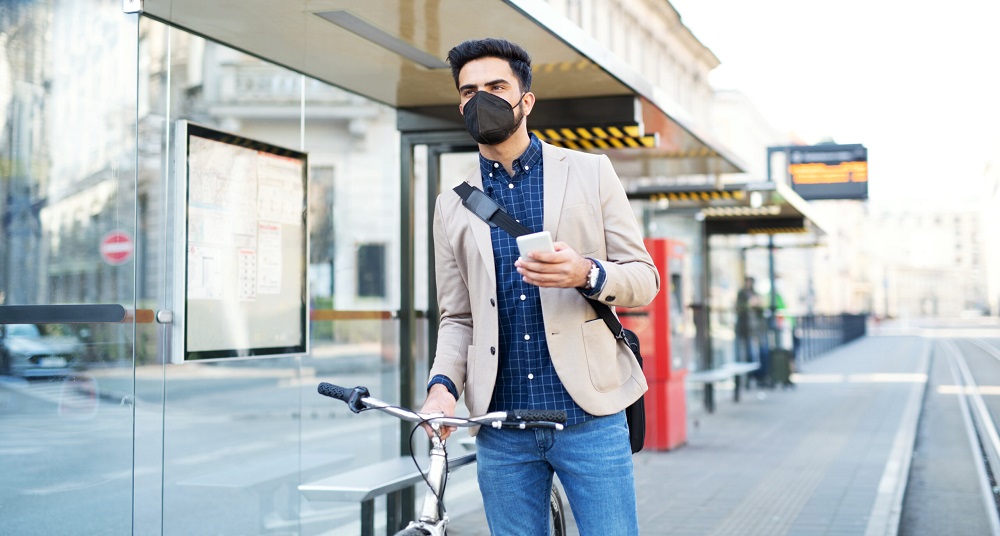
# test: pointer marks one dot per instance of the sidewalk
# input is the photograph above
(829, 457)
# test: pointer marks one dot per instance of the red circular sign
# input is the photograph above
(117, 247)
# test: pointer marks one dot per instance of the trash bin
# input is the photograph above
(781, 367)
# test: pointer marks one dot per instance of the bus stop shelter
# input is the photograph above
(393, 52)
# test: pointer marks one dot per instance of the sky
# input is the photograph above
(917, 82)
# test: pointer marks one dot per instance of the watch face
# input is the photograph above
(592, 276)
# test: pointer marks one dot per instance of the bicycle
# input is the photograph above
(433, 520)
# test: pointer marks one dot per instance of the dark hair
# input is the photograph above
(474, 49)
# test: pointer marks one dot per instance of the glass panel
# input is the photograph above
(353, 149)
(67, 236)
(727, 278)
(237, 436)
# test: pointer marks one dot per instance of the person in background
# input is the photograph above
(748, 319)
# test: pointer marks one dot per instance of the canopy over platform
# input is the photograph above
(743, 208)
(392, 51)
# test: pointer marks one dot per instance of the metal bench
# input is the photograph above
(367, 483)
(725, 372)
(266, 476)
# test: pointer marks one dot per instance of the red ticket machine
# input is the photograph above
(662, 328)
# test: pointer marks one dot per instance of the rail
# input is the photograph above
(815, 335)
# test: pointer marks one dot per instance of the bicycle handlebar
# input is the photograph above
(359, 399)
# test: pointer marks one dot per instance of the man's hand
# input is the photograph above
(439, 400)
(563, 269)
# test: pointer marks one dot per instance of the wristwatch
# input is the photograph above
(592, 277)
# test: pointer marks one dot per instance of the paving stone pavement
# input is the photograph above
(827, 457)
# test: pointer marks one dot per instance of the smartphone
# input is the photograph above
(534, 242)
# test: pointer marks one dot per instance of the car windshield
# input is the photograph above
(23, 330)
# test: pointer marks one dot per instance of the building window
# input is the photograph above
(371, 271)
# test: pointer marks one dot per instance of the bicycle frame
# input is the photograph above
(433, 521)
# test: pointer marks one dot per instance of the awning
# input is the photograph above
(392, 51)
(744, 208)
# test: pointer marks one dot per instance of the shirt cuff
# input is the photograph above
(602, 278)
(445, 381)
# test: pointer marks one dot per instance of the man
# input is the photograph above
(748, 313)
(515, 333)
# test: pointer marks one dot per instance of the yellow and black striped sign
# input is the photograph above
(777, 230)
(703, 195)
(610, 137)
(699, 152)
(564, 66)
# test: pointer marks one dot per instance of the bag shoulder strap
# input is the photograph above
(489, 211)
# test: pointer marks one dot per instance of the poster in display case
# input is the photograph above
(240, 247)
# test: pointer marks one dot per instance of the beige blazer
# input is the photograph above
(586, 207)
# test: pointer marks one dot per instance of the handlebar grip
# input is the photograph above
(334, 391)
(546, 415)
(351, 396)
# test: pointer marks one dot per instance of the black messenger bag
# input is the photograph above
(481, 205)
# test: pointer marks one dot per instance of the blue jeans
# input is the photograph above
(593, 460)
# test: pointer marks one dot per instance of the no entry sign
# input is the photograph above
(116, 247)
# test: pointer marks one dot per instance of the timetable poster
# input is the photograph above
(245, 249)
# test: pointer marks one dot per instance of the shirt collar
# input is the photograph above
(531, 157)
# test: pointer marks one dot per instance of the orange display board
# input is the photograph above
(817, 173)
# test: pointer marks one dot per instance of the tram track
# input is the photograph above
(979, 422)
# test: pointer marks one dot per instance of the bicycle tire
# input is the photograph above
(557, 519)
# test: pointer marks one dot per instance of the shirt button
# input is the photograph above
(531, 376)
(523, 297)
(527, 337)
(526, 168)
(491, 174)
(510, 185)
(496, 165)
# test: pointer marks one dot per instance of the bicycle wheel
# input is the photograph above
(557, 521)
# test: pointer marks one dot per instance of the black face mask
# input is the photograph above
(490, 119)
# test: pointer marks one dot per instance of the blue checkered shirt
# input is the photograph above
(526, 378)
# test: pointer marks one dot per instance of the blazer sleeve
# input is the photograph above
(455, 327)
(632, 278)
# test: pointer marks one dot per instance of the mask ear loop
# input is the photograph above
(523, 115)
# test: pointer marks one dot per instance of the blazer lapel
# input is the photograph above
(554, 189)
(556, 171)
(481, 230)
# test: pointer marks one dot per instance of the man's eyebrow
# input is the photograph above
(498, 81)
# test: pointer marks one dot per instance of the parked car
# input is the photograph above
(28, 351)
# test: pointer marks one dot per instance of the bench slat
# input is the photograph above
(722, 373)
(373, 480)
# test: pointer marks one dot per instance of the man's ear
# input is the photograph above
(461, 109)
(528, 101)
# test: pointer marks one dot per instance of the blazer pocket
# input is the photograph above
(607, 371)
(578, 227)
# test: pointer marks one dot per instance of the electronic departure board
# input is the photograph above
(829, 171)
